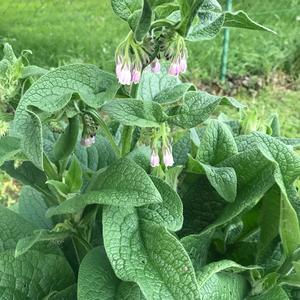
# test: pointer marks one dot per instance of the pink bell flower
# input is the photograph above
(88, 141)
(168, 157)
(155, 66)
(154, 159)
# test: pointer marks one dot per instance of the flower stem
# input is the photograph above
(126, 139)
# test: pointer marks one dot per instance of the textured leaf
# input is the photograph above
(125, 8)
(240, 19)
(173, 94)
(152, 84)
(210, 22)
(30, 71)
(27, 173)
(148, 255)
(181, 148)
(135, 112)
(9, 147)
(66, 294)
(12, 228)
(197, 246)
(97, 280)
(217, 144)
(124, 183)
(34, 275)
(39, 236)
(96, 157)
(32, 207)
(169, 213)
(224, 286)
(276, 293)
(165, 10)
(51, 93)
(73, 178)
(223, 180)
(197, 107)
(144, 23)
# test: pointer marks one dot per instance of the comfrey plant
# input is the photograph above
(134, 187)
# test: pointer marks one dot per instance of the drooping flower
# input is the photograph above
(88, 141)
(155, 66)
(136, 75)
(154, 159)
(124, 74)
(168, 157)
(174, 69)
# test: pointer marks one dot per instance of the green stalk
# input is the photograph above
(126, 139)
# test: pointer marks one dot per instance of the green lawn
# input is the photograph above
(60, 31)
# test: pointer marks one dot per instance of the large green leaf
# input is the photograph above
(32, 207)
(147, 254)
(34, 275)
(9, 147)
(197, 107)
(12, 228)
(169, 213)
(51, 93)
(240, 19)
(276, 293)
(97, 280)
(124, 183)
(217, 144)
(135, 112)
(152, 84)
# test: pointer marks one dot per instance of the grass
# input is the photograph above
(76, 30)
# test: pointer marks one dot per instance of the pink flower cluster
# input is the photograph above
(167, 158)
(178, 65)
(127, 73)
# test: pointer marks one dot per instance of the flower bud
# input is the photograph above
(88, 141)
(155, 66)
(135, 76)
(154, 159)
(168, 157)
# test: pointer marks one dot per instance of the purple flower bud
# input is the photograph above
(124, 75)
(168, 157)
(136, 76)
(155, 66)
(88, 141)
(154, 159)
(174, 69)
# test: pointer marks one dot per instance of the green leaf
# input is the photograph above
(276, 293)
(27, 173)
(197, 107)
(32, 207)
(173, 94)
(209, 22)
(223, 180)
(217, 144)
(135, 112)
(124, 183)
(204, 274)
(172, 175)
(165, 10)
(181, 149)
(240, 19)
(34, 275)
(169, 213)
(144, 23)
(225, 286)
(125, 8)
(30, 71)
(269, 222)
(58, 188)
(197, 246)
(68, 293)
(147, 254)
(152, 84)
(289, 228)
(39, 236)
(9, 147)
(73, 178)
(97, 156)
(12, 228)
(97, 280)
(51, 93)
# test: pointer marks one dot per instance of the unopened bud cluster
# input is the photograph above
(89, 131)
